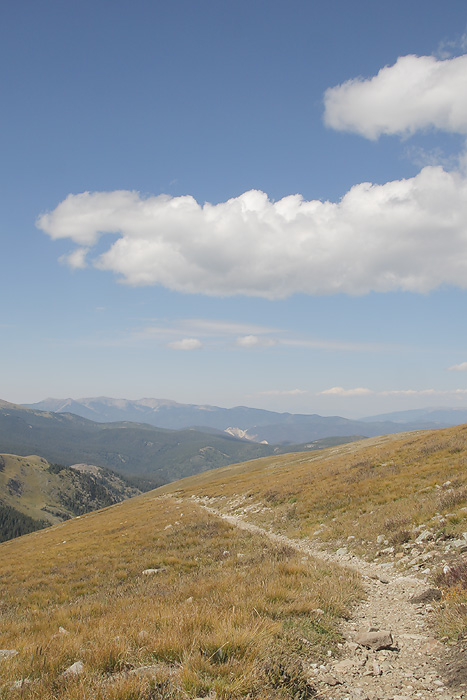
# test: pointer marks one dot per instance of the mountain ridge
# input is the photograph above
(254, 424)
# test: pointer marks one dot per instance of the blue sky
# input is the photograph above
(350, 300)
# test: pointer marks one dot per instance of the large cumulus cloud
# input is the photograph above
(403, 235)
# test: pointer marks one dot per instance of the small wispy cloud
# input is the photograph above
(76, 259)
(363, 391)
(449, 48)
(255, 341)
(462, 367)
(206, 328)
(185, 344)
(340, 391)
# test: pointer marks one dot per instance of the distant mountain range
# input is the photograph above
(252, 424)
(130, 448)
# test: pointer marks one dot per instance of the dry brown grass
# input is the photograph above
(224, 606)
(392, 486)
(228, 611)
(385, 485)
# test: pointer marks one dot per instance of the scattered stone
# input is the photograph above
(75, 669)
(7, 653)
(359, 694)
(427, 596)
(154, 671)
(148, 572)
(375, 640)
(424, 536)
(330, 680)
(431, 646)
(344, 666)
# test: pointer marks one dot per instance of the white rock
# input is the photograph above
(7, 653)
(75, 669)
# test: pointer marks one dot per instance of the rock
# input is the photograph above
(154, 671)
(62, 630)
(7, 653)
(344, 666)
(375, 640)
(75, 669)
(318, 611)
(330, 680)
(424, 536)
(358, 694)
(426, 596)
(431, 646)
(380, 539)
(148, 572)
(17, 685)
(341, 551)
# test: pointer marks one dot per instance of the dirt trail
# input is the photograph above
(411, 669)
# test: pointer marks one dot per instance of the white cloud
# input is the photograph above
(447, 48)
(403, 235)
(340, 391)
(76, 259)
(459, 368)
(363, 391)
(255, 341)
(205, 328)
(417, 92)
(185, 344)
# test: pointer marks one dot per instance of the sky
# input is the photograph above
(258, 203)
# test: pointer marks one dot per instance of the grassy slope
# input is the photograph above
(227, 612)
(52, 494)
(395, 486)
(358, 489)
(211, 619)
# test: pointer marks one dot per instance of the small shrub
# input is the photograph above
(454, 577)
(399, 537)
(284, 672)
(451, 498)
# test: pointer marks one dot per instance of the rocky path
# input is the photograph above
(375, 666)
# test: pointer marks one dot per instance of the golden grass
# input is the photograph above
(224, 610)
(228, 612)
(348, 495)
(381, 485)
